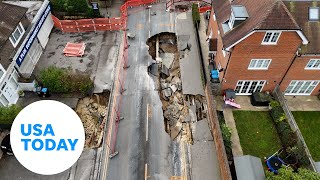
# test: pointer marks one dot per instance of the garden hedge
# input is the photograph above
(195, 14)
(62, 81)
(8, 114)
(289, 139)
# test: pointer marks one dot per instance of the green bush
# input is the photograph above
(73, 7)
(277, 114)
(195, 14)
(287, 173)
(299, 152)
(288, 138)
(282, 126)
(274, 103)
(226, 135)
(9, 113)
(62, 81)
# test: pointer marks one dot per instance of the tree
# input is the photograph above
(287, 173)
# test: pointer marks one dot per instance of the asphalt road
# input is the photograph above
(145, 149)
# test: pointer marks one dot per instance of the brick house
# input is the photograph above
(304, 73)
(260, 44)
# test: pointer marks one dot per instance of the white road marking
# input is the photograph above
(147, 128)
(149, 16)
(146, 171)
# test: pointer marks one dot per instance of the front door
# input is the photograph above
(248, 87)
(11, 94)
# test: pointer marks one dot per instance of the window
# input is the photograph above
(301, 87)
(17, 35)
(313, 64)
(1, 71)
(259, 64)
(214, 17)
(271, 37)
(248, 87)
(314, 13)
(231, 21)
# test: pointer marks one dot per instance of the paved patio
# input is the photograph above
(303, 103)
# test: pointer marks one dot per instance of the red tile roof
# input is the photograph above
(263, 15)
(300, 11)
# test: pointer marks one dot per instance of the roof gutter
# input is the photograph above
(299, 32)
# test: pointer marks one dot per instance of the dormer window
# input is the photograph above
(17, 35)
(238, 15)
(314, 14)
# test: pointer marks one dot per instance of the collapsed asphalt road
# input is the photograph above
(145, 149)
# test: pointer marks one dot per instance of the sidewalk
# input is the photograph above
(229, 119)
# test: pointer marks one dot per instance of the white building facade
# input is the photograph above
(27, 55)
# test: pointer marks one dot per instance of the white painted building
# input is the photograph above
(21, 48)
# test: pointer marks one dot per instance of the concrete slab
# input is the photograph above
(303, 103)
(98, 60)
(318, 166)
(236, 146)
(204, 161)
(10, 169)
(202, 131)
(190, 64)
(167, 59)
(249, 168)
(244, 101)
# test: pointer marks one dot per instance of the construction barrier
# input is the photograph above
(99, 24)
(204, 9)
(89, 25)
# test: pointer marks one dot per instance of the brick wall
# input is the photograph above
(219, 58)
(281, 54)
(297, 72)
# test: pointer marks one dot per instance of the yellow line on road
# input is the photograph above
(166, 25)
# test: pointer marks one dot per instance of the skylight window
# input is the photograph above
(314, 13)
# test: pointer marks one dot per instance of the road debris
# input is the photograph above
(93, 112)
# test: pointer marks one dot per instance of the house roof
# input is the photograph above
(300, 12)
(10, 16)
(263, 15)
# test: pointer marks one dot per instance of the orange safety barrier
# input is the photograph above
(204, 9)
(99, 24)
(88, 25)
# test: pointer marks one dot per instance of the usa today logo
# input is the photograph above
(47, 137)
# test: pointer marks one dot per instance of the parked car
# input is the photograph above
(6, 145)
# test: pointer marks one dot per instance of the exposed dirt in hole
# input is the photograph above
(168, 43)
(92, 112)
(180, 111)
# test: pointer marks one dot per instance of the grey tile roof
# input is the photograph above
(10, 16)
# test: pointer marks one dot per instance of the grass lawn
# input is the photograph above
(258, 136)
(309, 125)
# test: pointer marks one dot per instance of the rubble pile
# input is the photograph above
(92, 114)
(180, 111)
